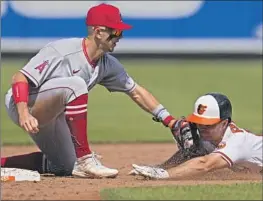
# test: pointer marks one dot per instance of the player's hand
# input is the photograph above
(28, 122)
(133, 172)
(172, 123)
(150, 172)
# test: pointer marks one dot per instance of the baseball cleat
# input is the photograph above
(89, 166)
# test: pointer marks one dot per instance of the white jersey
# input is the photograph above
(68, 57)
(240, 145)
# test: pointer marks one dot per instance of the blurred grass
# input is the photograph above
(175, 83)
(249, 191)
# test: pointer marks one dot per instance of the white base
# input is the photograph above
(20, 174)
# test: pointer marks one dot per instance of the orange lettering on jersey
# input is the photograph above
(234, 128)
(201, 109)
(42, 66)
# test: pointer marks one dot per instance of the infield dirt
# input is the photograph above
(119, 156)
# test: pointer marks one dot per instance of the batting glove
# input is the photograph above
(151, 172)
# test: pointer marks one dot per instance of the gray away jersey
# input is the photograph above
(67, 57)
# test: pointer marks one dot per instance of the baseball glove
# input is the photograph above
(189, 144)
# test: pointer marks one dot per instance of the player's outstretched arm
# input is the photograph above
(150, 104)
(199, 166)
(20, 96)
(194, 167)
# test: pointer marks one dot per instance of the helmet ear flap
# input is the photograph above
(224, 104)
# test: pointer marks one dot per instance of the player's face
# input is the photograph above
(109, 38)
(213, 133)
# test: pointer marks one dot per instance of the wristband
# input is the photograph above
(157, 110)
(161, 113)
(167, 120)
(20, 92)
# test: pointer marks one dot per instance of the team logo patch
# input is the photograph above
(221, 145)
(201, 109)
(42, 66)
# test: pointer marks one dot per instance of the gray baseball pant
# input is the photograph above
(47, 104)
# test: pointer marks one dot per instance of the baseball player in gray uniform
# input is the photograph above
(49, 97)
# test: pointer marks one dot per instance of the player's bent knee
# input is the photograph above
(63, 173)
(62, 169)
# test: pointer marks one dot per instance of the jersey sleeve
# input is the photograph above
(40, 67)
(235, 149)
(117, 79)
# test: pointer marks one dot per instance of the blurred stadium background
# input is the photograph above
(176, 49)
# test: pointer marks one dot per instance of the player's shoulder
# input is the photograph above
(235, 129)
(248, 135)
(66, 46)
(236, 134)
(110, 58)
(111, 61)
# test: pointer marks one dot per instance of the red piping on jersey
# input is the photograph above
(92, 63)
(29, 76)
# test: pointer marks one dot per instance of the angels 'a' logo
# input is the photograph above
(42, 66)
(201, 109)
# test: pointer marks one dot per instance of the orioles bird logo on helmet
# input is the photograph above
(201, 109)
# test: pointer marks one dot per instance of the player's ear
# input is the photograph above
(97, 33)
